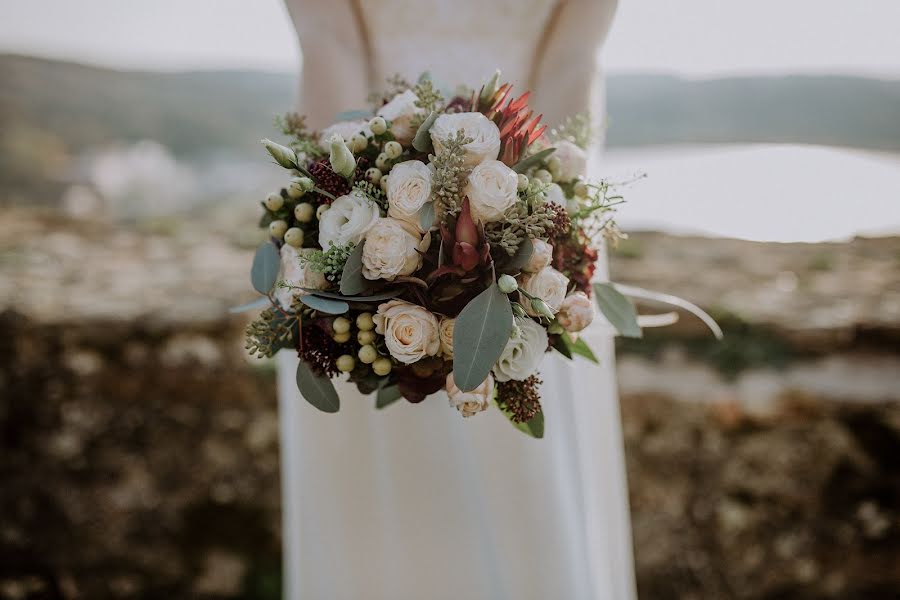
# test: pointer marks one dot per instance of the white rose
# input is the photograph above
(347, 219)
(576, 312)
(572, 160)
(555, 194)
(540, 258)
(408, 190)
(447, 325)
(485, 144)
(345, 129)
(410, 332)
(492, 189)
(400, 112)
(470, 403)
(549, 285)
(392, 249)
(523, 352)
(295, 272)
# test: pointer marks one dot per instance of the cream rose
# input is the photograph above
(408, 191)
(470, 403)
(345, 129)
(555, 194)
(540, 257)
(492, 189)
(447, 325)
(576, 312)
(347, 220)
(392, 249)
(295, 272)
(485, 144)
(571, 161)
(549, 285)
(400, 112)
(410, 332)
(523, 352)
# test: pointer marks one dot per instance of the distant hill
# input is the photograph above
(53, 110)
(827, 110)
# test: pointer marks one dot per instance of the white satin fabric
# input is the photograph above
(414, 502)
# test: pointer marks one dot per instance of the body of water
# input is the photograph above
(765, 192)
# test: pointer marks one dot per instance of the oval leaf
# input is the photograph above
(426, 216)
(385, 295)
(387, 396)
(328, 306)
(533, 160)
(422, 140)
(480, 334)
(617, 309)
(258, 303)
(352, 280)
(317, 389)
(533, 427)
(264, 272)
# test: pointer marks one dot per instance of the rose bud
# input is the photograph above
(341, 159)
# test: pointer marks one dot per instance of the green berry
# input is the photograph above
(294, 237)
(277, 229)
(365, 337)
(393, 149)
(368, 354)
(274, 201)
(304, 212)
(341, 338)
(345, 363)
(341, 325)
(382, 366)
(507, 284)
(364, 321)
(373, 175)
(378, 125)
(523, 182)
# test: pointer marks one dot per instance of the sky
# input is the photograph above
(692, 38)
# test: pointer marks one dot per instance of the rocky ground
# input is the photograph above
(139, 446)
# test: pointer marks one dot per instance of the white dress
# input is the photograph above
(414, 502)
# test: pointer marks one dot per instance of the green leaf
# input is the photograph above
(352, 280)
(533, 427)
(328, 306)
(617, 309)
(387, 396)
(581, 348)
(480, 334)
(533, 160)
(386, 295)
(258, 303)
(560, 345)
(317, 389)
(264, 272)
(521, 257)
(283, 155)
(422, 140)
(426, 216)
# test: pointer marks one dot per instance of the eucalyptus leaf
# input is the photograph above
(533, 427)
(480, 334)
(422, 139)
(387, 396)
(385, 295)
(317, 389)
(352, 280)
(426, 216)
(523, 254)
(328, 306)
(581, 348)
(617, 309)
(266, 263)
(533, 160)
(258, 303)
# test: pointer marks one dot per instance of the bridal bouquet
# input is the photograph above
(434, 244)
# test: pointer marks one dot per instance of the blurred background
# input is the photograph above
(139, 446)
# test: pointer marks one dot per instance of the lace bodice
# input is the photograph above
(548, 46)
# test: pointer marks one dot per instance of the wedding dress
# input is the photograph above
(413, 501)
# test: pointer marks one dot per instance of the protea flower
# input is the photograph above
(518, 130)
(466, 245)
